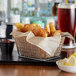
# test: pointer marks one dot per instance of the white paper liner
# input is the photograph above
(48, 44)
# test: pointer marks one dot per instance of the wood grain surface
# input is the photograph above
(33, 70)
(30, 70)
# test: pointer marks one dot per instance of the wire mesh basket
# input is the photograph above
(26, 49)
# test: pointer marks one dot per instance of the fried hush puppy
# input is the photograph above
(34, 24)
(28, 27)
(57, 33)
(40, 32)
(37, 30)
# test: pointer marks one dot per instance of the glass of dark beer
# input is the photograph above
(67, 22)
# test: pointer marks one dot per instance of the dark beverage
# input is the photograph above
(65, 53)
(54, 9)
(67, 22)
(6, 47)
(9, 29)
(75, 16)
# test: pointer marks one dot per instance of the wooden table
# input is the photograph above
(30, 70)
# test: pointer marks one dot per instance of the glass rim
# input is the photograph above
(67, 5)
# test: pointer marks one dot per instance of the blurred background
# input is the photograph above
(29, 11)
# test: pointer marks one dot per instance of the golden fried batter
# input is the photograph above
(57, 33)
(48, 28)
(33, 24)
(52, 27)
(28, 27)
(40, 32)
(19, 26)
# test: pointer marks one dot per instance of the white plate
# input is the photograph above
(70, 69)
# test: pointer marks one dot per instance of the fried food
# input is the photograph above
(38, 26)
(52, 27)
(33, 24)
(19, 26)
(57, 33)
(28, 27)
(40, 32)
(37, 30)
(48, 28)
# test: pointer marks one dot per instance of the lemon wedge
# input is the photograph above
(62, 61)
(74, 54)
(71, 61)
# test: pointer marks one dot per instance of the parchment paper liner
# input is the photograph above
(39, 47)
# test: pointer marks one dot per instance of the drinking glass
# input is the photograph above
(67, 22)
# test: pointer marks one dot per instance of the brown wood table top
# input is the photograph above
(30, 70)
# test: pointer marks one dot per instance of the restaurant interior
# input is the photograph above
(37, 37)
